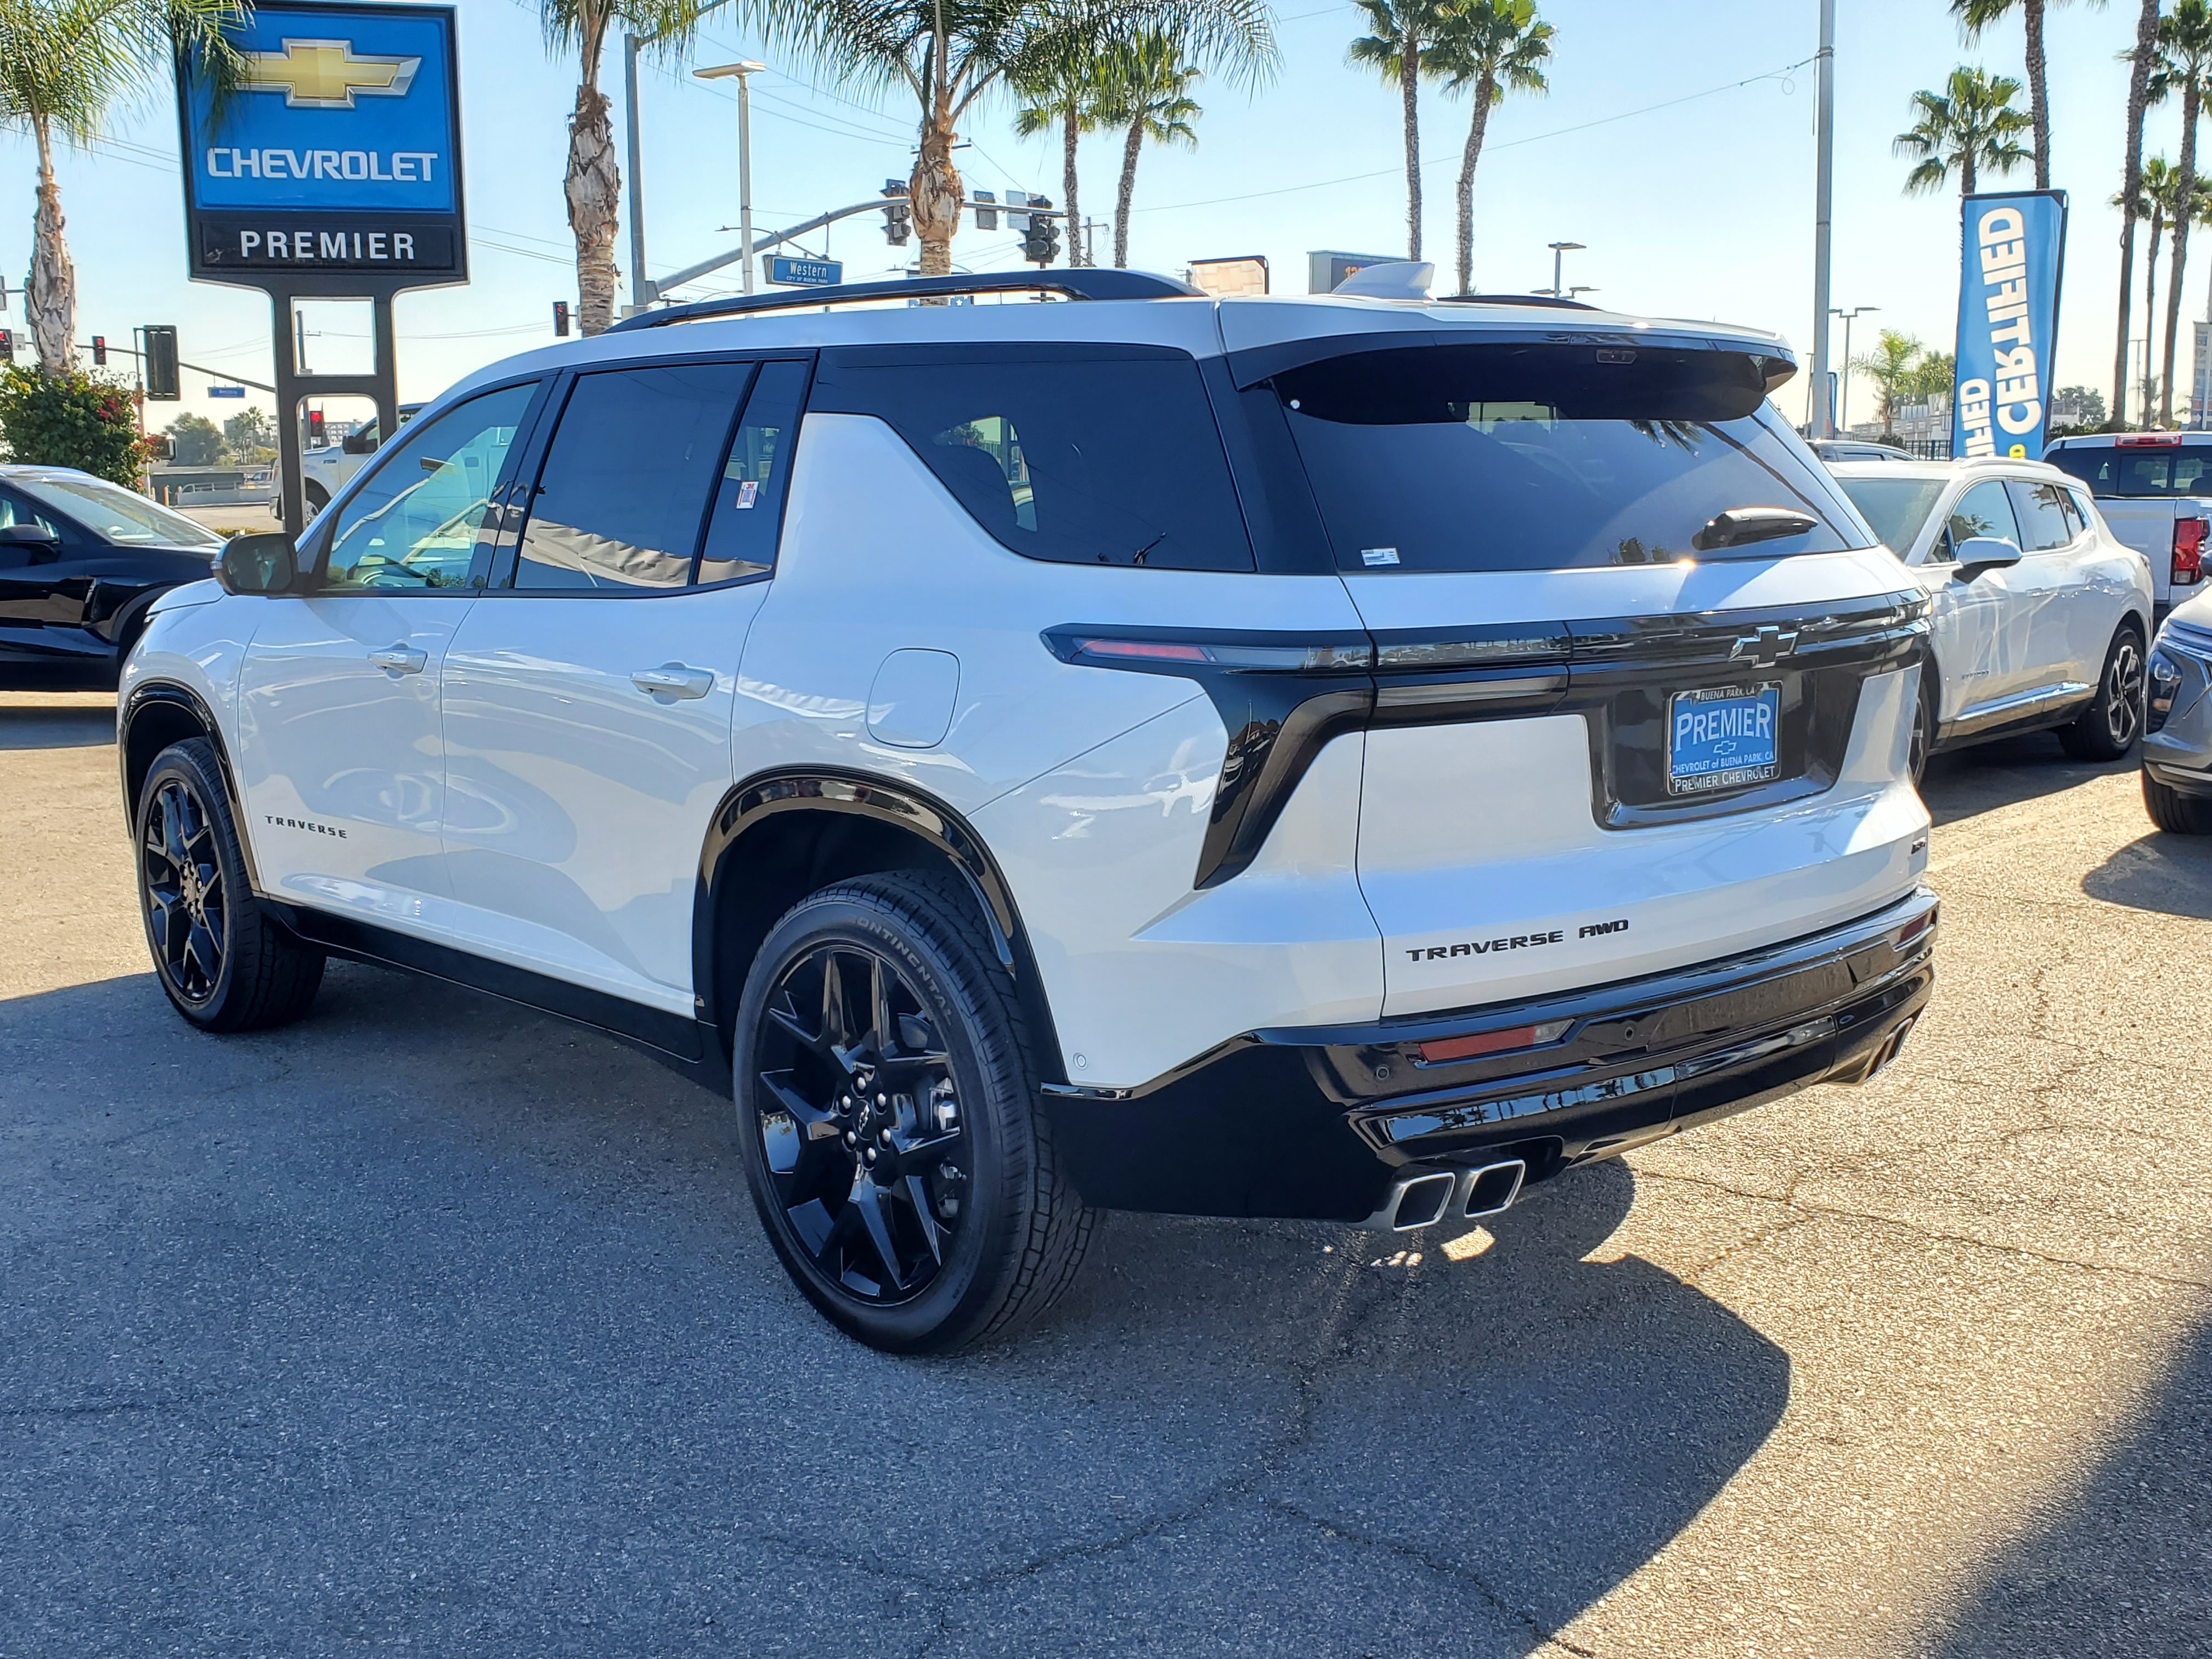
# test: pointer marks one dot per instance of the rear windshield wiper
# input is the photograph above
(1740, 525)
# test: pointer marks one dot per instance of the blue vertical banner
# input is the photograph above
(2013, 255)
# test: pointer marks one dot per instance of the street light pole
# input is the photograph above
(1821, 420)
(1844, 380)
(1559, 251)
(742, 70)
(640, 285)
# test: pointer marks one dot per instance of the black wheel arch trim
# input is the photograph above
(828, 789)
(169, 694)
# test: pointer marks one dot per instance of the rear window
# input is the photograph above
(1543, 457)
(2113, 472)
(1895, 508)
(1081, 456)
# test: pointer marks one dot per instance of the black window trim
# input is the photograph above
(318, 539)
(523, 485)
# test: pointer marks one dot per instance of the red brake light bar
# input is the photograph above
(2152, 440)
(1153, 650)
(2188, 551)
(1493, 1043)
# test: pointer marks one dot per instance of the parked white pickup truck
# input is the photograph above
(2155, 490)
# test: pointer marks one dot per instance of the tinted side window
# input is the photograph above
(1985, 510)
(14, 510)
(2044, 522)
(2139, 470)
(741, 533)
(627, 477)
(1097, 456)
(412, 525)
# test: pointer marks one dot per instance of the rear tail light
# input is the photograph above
(1483, 1043)
(1919, 925)
(2188, 551)
(1173, 651)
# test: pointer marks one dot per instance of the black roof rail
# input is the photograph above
(1091, 282)
(1513, 300)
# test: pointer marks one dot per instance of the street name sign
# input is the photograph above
(804, 273)
(225, 391)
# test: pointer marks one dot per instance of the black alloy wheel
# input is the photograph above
(187, 910)
(224, 961)
(1924, 730)
(2108, 727)
(860, 1123)
(888, 1103)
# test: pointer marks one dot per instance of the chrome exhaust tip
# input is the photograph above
(1491, 1189)
(1419, 1199)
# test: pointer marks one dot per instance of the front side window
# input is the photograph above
(627, 479)
(1080, 456)
(1545, 457)
(123, 516)
(2045, 520)
(1896, 507)
(1985, 510)
(411, 526)
(14, 511)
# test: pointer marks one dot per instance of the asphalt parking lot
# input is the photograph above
(430, 1325)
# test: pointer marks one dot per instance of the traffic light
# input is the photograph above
(1040, 247)
(99, 351)
(162, 385)
(7, 345)
(560, 317)
(898, 217)
(316, 437)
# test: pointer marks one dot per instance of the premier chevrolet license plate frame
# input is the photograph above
(1733, 738)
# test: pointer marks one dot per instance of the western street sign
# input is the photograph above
(804, 273)
(340, 153)
(225, 391)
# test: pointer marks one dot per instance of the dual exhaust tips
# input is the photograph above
(1424, 1196)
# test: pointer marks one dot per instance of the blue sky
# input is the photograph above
(1676, 141)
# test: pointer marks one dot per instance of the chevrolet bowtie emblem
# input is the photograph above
(1765, 646)
(326, 74)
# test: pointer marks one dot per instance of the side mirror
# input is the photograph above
(29, 535)
(1977, 554)
(358, 443)
(264, 562)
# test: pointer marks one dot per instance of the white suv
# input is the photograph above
(1334, 757)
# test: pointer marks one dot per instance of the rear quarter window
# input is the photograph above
(1081, 455)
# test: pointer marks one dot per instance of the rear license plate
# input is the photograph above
(1722, 738)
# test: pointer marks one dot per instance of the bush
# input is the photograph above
(74, 419)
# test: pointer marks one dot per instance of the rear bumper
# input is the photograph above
(1319, 1123)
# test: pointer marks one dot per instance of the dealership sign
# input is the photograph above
(2014, 256)
(338, 155)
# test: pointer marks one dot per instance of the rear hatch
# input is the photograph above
(1643, 689)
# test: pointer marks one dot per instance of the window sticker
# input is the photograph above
(1378, 555)
(748, 493)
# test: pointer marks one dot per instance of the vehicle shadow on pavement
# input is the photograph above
(2120, 1569)
(2169, 873)
(428, 1317)
(56, 723)
(1967, 782)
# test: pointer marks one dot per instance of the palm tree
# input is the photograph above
(1976, 15)
(1970, 125)
(1145, 85)
(593, 185)
(2183, 65)
(949, 54)
(2139, 61)
(2158, 199)
(1066, 99)
(1492, 45)
(64, 65)
(1892, 366)
(1397, 50)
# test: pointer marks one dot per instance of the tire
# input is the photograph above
(1924, 730)
(2174, 812)
(909, 1187)
(226, 964)
(2112, 724)
(317, 497)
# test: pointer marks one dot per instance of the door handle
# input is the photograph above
(400, 659)
(673, 679)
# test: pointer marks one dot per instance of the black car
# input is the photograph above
(81, 560)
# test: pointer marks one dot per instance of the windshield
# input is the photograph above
(2112, 472)
(116, 514)
(1547, 457)
(1896, 507)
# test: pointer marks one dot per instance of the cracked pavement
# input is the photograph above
(431, 1324)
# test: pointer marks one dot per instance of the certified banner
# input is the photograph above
(2014, 254)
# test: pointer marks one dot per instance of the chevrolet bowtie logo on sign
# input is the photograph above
(328, 73)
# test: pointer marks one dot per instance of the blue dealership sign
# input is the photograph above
(804, 273)
(340, 153)
(2014, 254)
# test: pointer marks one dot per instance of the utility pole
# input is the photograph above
(1821, 420)
(641, 287)
(1559, 251)
(1844, 380)
(741, 70)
